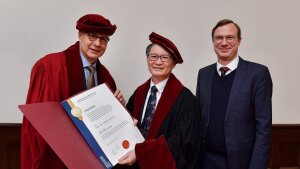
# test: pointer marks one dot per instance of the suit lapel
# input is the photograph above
(75, 69)
(238, 80)
(208, 87)
(167, 99)
(139, 100)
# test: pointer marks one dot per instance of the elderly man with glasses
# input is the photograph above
(58, 76)
(167, 112)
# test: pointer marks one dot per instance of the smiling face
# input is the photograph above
(226, 43)
(92, 50)
(160, 70)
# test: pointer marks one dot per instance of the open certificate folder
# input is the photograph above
(104, 123)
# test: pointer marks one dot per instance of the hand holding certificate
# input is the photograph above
(104, 122)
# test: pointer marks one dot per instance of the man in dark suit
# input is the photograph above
(235, 99)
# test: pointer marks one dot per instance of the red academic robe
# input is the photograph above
(173, 137)
(55, 77)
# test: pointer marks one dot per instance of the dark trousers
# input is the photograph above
(214, 160)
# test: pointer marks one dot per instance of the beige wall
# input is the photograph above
(270, 29)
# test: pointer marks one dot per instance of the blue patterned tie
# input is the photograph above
(149, 112)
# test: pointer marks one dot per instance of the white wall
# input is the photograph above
(270, 30)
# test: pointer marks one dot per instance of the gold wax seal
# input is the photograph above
(77, 112)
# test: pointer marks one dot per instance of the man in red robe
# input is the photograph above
(58, 76)
(172, 137)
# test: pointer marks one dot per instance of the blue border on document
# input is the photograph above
(88, 137)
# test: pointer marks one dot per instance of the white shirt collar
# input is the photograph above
(160, 86)
(232, 65)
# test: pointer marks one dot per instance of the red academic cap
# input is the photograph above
(167, 45)
(95, 23)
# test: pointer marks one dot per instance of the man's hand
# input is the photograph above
(128, 159)
(120, 97)
(135, 121)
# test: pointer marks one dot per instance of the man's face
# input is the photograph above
(160, 70)
(92, 45)
(226, 43)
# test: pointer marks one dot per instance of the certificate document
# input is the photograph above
(104, 123)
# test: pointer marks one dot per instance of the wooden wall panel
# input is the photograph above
(285, 150)
(10, 138)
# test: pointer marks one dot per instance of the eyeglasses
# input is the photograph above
(163, 58)
(229, 39)
(93, 37)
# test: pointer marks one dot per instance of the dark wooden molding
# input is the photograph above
(285, 149)
(10, 139)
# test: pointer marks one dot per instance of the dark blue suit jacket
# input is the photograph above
(248, 120)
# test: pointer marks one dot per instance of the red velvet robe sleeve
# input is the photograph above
(35, 152)
(154, 153)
